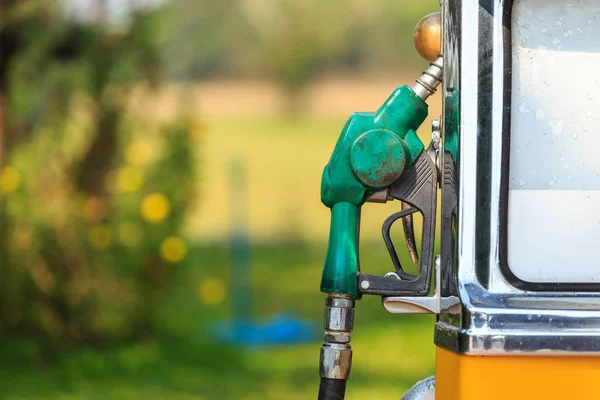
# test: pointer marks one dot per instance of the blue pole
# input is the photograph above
(240, 280)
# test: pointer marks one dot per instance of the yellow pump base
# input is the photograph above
(462, 377)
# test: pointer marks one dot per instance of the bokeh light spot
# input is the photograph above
(155, 207)
(10, 179)
(130, 234)
(130, 179)
(100, 237)
(139, 153)
(212, 291)
(173, 249)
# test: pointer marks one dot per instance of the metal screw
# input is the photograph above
(364, 285)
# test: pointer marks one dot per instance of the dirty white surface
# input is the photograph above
(554, 198)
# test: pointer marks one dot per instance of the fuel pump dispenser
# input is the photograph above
(517, 283)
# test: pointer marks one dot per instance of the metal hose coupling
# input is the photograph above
(336, 353)
(427, 83)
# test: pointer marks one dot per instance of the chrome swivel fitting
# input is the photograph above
(336, 353)
(427, 83)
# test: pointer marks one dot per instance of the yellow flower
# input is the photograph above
(212, 291)
(155, 207)
(100, 237)
(10, 179)
(173, 249)
(130, 179)
(139, 153)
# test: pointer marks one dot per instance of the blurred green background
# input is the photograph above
(120, 125)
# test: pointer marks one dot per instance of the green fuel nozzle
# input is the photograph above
(372, 152)
(375, 151)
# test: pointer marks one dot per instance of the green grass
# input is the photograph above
(390, 352)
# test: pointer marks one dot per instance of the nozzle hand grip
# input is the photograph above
(341, 264)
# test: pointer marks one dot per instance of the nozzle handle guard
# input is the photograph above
(417, 187)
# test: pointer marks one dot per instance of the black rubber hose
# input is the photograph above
(332, 389)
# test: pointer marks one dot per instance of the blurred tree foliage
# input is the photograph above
(91, 198)
(292, 40)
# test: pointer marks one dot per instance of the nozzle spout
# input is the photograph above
(427, 83)
(341, 263)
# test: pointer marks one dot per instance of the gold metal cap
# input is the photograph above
(427, 36)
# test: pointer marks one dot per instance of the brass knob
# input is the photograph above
(428, 36)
